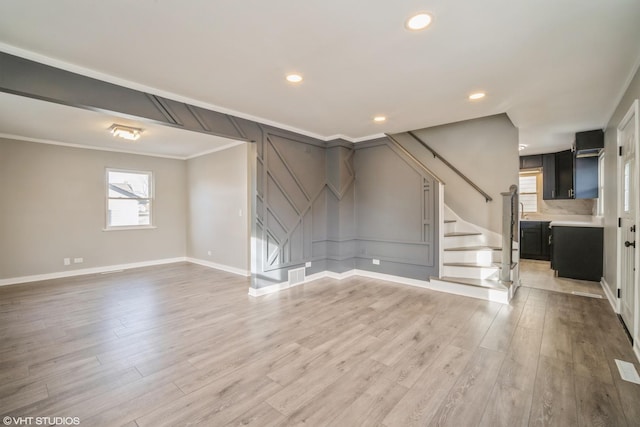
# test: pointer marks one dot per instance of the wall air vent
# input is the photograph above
(296, 276)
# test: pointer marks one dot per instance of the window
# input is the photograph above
(129, 199)
(529, 192)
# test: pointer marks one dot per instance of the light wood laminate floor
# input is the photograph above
(539, 275)
(185, 345)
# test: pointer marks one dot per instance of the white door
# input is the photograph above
(627, 138)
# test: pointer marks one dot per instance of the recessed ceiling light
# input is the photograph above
(419, 21)
(294, 78)
(477, 95)
(522, 147)
(125, 132)
(379, 119)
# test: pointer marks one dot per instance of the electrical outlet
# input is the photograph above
(78, 260)
(307, 264)
(376, 261)
(209, 253)
(67, 261)
(239, 212)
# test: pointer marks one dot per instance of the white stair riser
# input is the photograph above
(501, 296)
(471, 272)
(449, 227)
(464, 241)
(477, 256)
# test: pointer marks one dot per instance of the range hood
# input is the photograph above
(589, 143)
(593, 152)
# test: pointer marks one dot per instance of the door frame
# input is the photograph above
(633, 109)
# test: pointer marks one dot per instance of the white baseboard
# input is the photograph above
(391, 278)
(607, 291)
(84, 271)
(223, 267)
(425, 284)
(434, 285)
(339, 276)
(285, 285)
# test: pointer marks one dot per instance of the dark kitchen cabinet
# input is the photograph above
(566, 175)
(549, 176)
(577, 252)
(586, 178)
(557, 175)
(531, 162)
(534, 240)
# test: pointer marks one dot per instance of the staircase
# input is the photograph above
(471, 261)
(471, 258)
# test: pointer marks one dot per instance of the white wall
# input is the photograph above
(218, 208)
(52, 206)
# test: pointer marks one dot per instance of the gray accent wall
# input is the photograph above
(485, 150)
(219, 215)
(395, 212)
(290, 204)
(339, 206)
(52, 206)
(611, 182)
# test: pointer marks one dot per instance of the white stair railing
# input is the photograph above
(510, 206)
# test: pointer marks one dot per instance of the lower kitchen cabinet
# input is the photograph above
(577, 252)
(534, 240)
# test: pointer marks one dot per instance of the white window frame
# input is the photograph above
(151, 200)
(535, 174)
(600, 200)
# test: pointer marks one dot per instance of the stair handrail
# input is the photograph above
(486, 196)
(414, 158)
(510, 206)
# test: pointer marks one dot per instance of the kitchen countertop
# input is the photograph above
(567, 220)
(595, 224)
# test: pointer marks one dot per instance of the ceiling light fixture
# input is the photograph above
(477, 95)
(419, 21)
(379, 119)
(294, 78)
(125, 132)
(522, 147)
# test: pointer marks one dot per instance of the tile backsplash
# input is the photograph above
(566, 207)
(556, 209)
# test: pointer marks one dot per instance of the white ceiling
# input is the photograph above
(556, 67)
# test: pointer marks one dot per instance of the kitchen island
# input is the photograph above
(577, 249)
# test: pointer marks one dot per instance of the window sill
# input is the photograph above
(131, 227)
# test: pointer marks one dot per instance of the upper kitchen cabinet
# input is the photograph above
(586, 178)
(588, 147)
(531, 162)
(557, 175)
(573, 174)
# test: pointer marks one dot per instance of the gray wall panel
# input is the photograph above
(338, 205)
(290, 196)
(389, 196)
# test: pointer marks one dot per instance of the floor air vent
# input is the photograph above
(296, 276)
